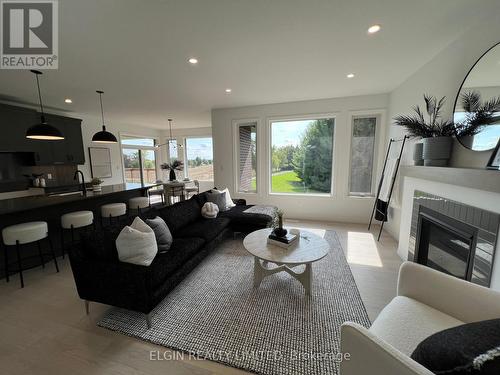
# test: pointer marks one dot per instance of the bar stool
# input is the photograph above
(21, 234)
(112, 210)
(75, 220)
(138, 203)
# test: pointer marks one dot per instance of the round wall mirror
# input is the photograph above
(477, 106)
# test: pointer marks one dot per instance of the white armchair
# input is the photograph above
(428, 301)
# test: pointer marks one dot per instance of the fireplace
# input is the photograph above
(445, 244)
(453, 237)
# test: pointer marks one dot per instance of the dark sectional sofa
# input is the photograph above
(101, 277)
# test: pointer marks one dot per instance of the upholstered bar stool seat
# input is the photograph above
(113, 210)
(138, 204)
(72, 221)
(77, 219)
(25, 233)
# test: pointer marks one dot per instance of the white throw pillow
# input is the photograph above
(229, 201)
(209, 210)
(136, 244)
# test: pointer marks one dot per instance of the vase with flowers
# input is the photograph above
(176, 165)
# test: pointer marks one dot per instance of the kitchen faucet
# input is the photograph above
(75, 177)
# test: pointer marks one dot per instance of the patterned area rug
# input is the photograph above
(215, 313)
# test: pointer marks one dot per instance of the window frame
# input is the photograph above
(315, 116)
(379, 114)
(140, 147)
(236, 124)
(177, 145)
(185, 157)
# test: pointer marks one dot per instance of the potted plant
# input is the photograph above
(435, 132)
(96, 184)
(176, 165)
(477, 116)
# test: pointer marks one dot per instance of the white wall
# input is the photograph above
(91, 125)
(339, 207)
(442, 76)
(473, 197)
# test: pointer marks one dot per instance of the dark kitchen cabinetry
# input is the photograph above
(14, 121)
(70, 150)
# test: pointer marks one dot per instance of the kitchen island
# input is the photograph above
(50, 208)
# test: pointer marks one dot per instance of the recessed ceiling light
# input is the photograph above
(193, 60)
(68, 100)
(350, 75)
(374, 29)
(228, 90)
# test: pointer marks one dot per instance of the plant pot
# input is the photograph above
(172, 176)
(467, 141)
(418, 152)
(437, 151)
(96, 188)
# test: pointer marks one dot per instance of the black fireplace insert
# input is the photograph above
(445, 244)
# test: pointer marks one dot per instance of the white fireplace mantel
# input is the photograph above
(481, 179)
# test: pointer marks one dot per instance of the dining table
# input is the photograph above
(173, 189)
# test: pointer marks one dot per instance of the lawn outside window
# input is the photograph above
(301, 156)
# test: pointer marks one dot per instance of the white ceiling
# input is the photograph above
(266, 51)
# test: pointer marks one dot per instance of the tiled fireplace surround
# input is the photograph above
(485, 221)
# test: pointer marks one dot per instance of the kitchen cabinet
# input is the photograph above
(14, 121)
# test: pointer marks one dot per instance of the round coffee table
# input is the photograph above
(309, 248)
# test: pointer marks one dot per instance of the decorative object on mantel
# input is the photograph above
(386, 185)
(494, 162)
(176, 165)
(477, 104)
(43, 131)
(436, 133)
(103, 136)
(96, 184)
(418, 154)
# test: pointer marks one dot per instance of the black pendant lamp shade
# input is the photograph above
(43, 131)
(103, 136)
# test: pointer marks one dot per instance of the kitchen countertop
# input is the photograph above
(8, 206)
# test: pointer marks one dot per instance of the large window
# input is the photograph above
(172, 150)
(139, 160)
(247, 157)
(363, 141)
(302, 156)
(200, 159)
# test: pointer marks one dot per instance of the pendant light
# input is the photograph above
(103, 136)
(171, 139)
(43, 131)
